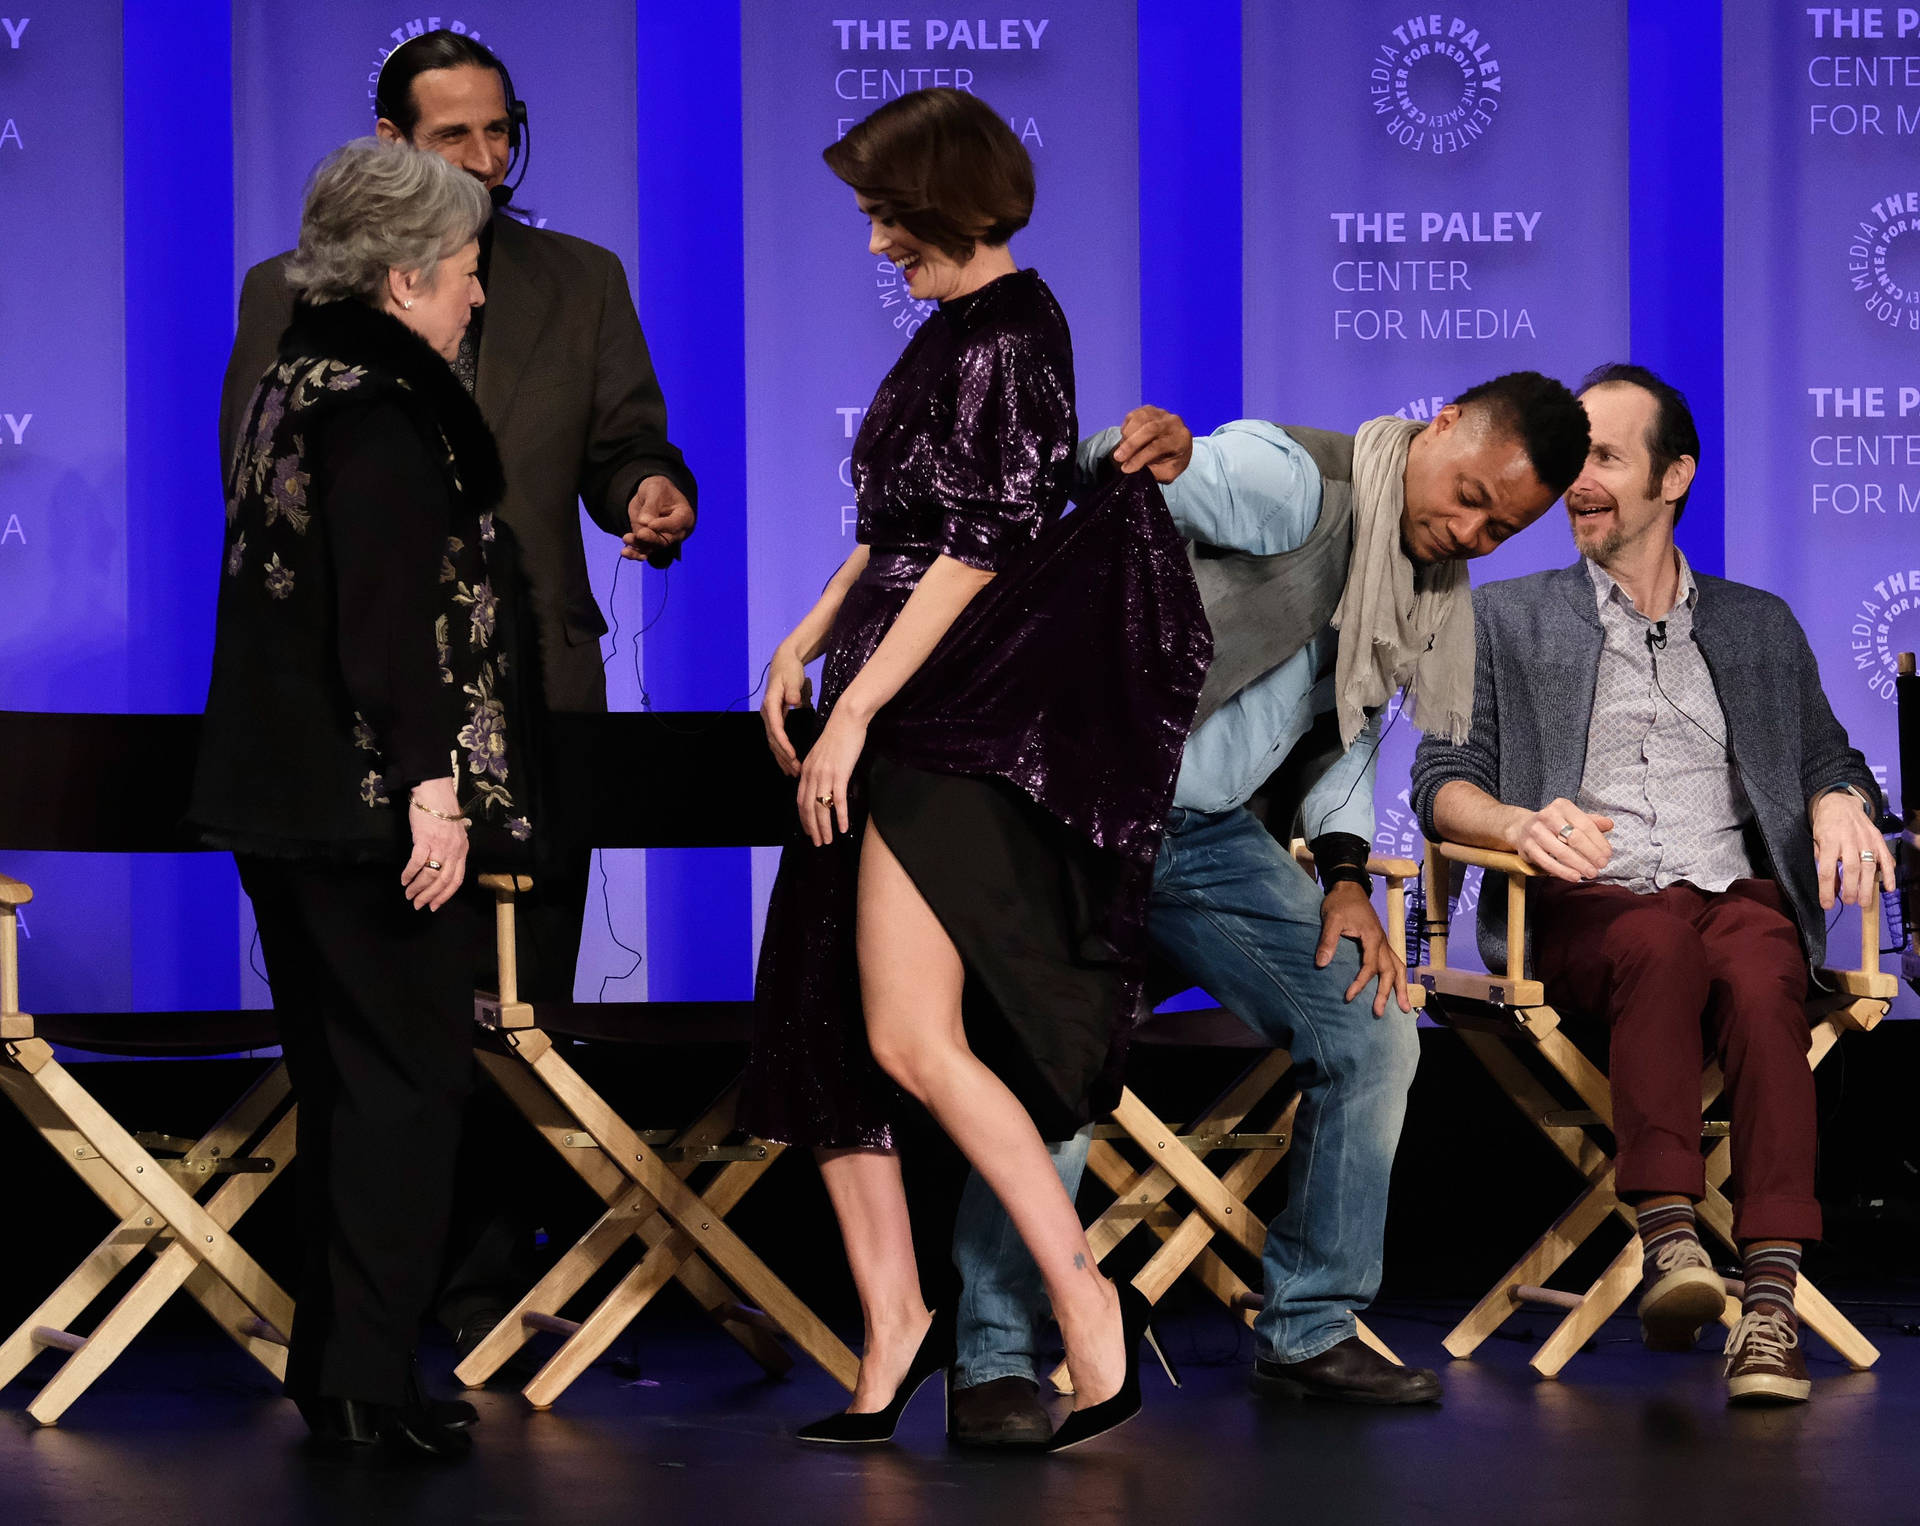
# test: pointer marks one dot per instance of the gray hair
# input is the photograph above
(373, 206)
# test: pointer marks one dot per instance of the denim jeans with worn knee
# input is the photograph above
(1235, 913)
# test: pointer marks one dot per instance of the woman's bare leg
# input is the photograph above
(871, 1205)
(911, 979)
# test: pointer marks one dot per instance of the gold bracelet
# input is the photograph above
(465, 822)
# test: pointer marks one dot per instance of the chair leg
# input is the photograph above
(1153, 1185)
(1209, 1195)
(140, 1226)
(631, 1212)
(689, 1212)
(1566, 1235)
(1597, 1306)
(188, 1219)
(171, 1270)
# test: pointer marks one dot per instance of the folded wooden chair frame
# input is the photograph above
(175, 1199)
(1500, 1017)
(644, 1178)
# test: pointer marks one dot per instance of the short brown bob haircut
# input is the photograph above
(943, 165)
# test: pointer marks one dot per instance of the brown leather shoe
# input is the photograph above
(1003, 1413)
(1764, 1362)
(1349, 1373)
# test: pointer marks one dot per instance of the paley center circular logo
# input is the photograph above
(412, 27)
(1883, 260)
(1435, 84)
(904, 311)
(1886, 624)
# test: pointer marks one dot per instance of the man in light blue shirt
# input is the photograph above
(1231, 911)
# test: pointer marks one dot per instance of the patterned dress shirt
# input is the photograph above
(1657, 758)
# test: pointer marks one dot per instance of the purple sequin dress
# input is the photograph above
(1023, 774)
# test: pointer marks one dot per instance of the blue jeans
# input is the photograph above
(1234, 913)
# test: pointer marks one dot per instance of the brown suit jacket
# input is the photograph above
(568, 389)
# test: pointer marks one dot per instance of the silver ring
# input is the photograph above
(1566, 832)
(1866, 858)
(433, 863)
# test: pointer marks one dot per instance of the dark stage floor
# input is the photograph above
(186, 1430)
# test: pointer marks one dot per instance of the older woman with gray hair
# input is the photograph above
(356, 749)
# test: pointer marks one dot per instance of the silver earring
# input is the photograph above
(408, 304)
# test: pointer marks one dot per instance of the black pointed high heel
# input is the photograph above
(1136, 1326)
(867, 1429)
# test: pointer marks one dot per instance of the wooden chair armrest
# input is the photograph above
(14, 892)
(1487, 858)
(1439, 911)
(1383, 868)
(507, 884)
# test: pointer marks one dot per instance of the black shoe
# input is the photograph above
(454, 1414)
(849, 1429)
(1350, 1373)
(1005, 1412)
(1136, 1316)
(354, 1424)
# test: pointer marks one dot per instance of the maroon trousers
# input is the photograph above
(1678, 974)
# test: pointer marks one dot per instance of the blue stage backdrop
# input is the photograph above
(825, 319)
(63, 525)
(579, 80)
(1425, 198)
(1430, 200)
(1823, 334)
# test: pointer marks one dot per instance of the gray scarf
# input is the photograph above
(1392, 632)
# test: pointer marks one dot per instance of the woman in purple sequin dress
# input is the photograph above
(1006, 692)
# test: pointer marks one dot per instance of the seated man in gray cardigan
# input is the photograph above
(1333, 569)
(1657, 744)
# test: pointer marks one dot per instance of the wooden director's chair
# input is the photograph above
(175, 1200)
(725, 792)
(1183, 1160)
(1502, 1018)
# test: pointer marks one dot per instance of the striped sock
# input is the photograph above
(1662, 1225)
(1772, 1273)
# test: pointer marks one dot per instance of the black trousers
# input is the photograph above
(375, 1008)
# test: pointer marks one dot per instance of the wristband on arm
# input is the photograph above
(1341, 859)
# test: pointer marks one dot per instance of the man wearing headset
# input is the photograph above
(559, 366)
(1703, 811)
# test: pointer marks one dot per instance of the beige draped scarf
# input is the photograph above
(1392, 632)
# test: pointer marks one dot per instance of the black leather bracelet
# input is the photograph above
(1345, 874)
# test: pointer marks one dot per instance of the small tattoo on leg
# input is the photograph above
(1079, 1262)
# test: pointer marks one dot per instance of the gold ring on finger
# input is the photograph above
(434, 863)
(826, 799)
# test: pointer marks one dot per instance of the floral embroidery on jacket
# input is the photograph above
(485, 734)
(287, 498)
(271, 507)
(482, 610)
